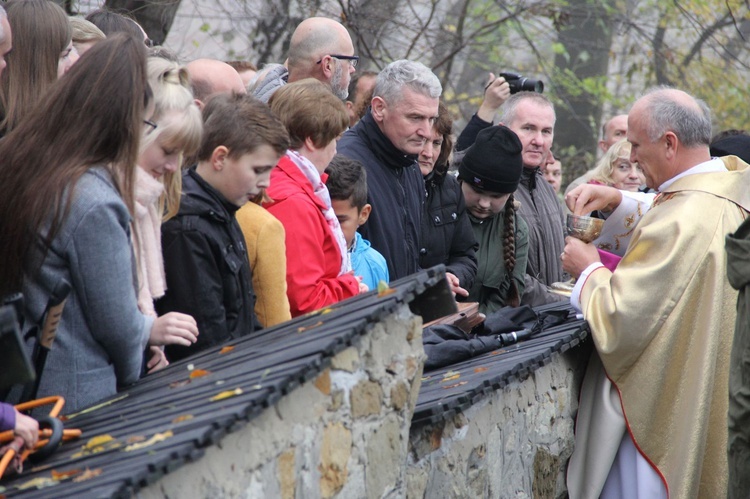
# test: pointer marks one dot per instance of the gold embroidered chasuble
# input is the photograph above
(663, 324)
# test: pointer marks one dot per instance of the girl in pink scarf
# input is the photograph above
(173, 130)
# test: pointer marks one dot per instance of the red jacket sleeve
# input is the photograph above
(313, 258)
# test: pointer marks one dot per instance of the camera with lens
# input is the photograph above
(520, 83)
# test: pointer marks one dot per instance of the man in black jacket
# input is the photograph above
(387, 141)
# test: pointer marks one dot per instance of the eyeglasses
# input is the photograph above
(151, 124)
(353, 59)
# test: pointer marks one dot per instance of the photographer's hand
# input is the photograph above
(496, 92)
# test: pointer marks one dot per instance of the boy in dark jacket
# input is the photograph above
(205, 260)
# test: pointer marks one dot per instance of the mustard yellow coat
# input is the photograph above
(266, 250)
(663, 324)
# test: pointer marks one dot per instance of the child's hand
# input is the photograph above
(174, 328)
(455, 285)
(157, 360)
(363, 288)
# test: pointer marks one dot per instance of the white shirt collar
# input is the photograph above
(710, 166)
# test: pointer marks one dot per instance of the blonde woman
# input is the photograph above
(615, 169)
(85, 34)
(174, 130)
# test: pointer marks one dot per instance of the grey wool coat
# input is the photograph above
(102, 334)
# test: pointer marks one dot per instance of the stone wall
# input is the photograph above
(345, 434)
(515, 443)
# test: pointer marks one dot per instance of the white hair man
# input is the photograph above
(662, 321)
(387, 140)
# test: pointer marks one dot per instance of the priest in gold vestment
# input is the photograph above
(662, 322)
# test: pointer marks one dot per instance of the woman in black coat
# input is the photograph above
(446, 234)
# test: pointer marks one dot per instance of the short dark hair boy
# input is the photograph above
(347, 185)
(205, 260)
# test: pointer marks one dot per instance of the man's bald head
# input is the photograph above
(316, 39)
(210, 77)
(613, 131)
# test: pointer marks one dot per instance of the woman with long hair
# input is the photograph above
(43, 52)
(67, 181)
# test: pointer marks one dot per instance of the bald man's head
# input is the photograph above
(312, 48)
(210, 77)
(613, 131)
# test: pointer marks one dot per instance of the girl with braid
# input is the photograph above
(489, 174)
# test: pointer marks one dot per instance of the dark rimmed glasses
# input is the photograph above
(150, 124)
(353, 59)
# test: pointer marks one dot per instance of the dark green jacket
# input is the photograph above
(492, 283)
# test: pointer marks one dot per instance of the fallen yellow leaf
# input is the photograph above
(226, 349)
(38, 483)
(481, 369)
(226, 394)
(159, 437)
(180, 419)
(98, 440)
(99, 443)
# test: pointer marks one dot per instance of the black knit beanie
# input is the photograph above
(494, 163)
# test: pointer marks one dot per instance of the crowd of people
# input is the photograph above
(184, 205)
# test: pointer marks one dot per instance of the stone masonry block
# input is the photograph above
(366, 399)
(334, 456)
